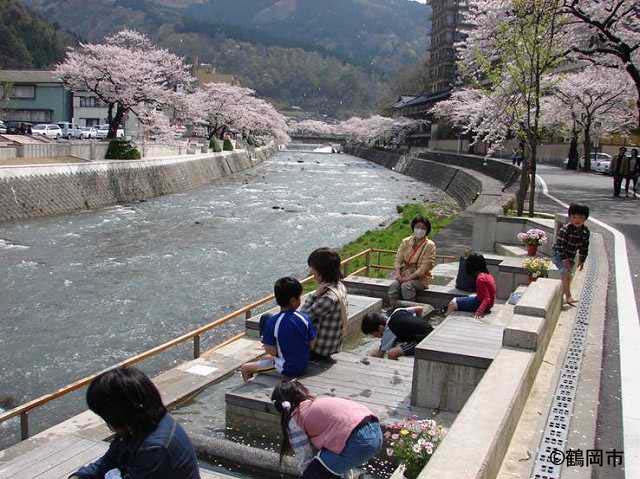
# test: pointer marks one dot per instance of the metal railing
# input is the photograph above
(23, 410)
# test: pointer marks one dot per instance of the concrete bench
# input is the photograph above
(382, 385)
(357, 307)
(436, 295)
(451, 361)
(535, 316)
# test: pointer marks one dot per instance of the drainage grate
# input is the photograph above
(557, 426)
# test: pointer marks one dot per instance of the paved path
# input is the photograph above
(624, 215)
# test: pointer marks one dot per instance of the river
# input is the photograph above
(83, 291)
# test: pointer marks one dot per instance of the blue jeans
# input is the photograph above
(363, 444)
(557, 260)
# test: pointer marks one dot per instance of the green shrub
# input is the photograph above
(228, 146)
(122, 150)
(215, 145)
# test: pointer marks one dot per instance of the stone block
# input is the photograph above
(542, 299)
(523, 332)
(484, 229)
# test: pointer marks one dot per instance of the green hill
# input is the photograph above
(27, 40)
(331, 56)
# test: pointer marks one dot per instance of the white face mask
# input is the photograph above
(420, 233)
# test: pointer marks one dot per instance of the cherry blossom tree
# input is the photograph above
(510, 48)
(128, 73)
(222, 107)
(607, 33)
(313, 127)
(595, 95)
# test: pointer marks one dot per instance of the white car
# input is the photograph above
(88, 133)
(600, 162)
(3, 128)
(103, 131)
(69, 130)
(47, 130)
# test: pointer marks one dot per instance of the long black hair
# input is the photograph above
(476, 264)
(127, 400)
(293, 393)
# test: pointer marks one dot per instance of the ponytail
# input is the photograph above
(286, 398)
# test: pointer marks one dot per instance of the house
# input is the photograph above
(34, 96)
(88, 109)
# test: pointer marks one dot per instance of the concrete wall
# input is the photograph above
(27, 192)
(451, 173)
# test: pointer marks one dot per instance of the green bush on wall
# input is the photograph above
(122, 150)
(228, 146)
(215, 145)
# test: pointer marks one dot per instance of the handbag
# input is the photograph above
(464, 281)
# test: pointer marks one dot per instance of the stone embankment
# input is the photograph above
(469, 180)
(32, 191)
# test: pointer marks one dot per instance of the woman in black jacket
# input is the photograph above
(149, 444)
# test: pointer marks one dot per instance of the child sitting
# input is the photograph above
(399, 333)
(485, 297)
(286, 336)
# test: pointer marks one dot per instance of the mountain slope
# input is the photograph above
(343, 48)
(26, 40)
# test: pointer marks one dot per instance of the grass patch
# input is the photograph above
(390, 236)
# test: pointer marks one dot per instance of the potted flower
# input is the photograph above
(412, 442)
(536, 267)
(533, 238)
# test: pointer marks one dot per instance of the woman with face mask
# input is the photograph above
(415, 259)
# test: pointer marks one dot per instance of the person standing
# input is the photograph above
(616, 170)
(633, 173)
(415, 259)
(572, 238)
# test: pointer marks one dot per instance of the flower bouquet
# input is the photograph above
(536, 267)
(412, 442)
(533, 238)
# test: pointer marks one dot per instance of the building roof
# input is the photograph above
(422, 99)
(29, 76)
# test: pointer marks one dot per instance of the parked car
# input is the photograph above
(103, 131)
(69, 130)
(48, 130)
(88, 133)
(600, 162)
(18, 127)
(3, 128)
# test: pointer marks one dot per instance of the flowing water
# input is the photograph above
(83, 291)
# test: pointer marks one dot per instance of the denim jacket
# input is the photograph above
(166, 453)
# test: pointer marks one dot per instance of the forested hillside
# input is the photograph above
(27, 40)
(331, 56)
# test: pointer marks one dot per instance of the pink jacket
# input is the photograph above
(329, 421)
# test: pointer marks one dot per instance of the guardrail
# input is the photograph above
(23, 410)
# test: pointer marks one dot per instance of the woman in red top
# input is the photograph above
(481, 302)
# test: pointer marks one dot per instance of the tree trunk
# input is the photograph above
(524, 183)
(115, 123)
(110, 114)
(587, 147)
(532, 176)
(573, 149)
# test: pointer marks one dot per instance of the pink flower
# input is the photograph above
(395, 436)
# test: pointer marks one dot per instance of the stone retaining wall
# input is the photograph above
(436, 169)
(27, 192)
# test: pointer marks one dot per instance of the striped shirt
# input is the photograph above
(570, 240)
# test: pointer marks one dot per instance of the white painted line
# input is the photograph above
(629, 331)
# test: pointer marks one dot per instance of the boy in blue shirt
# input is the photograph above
(286, 336)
